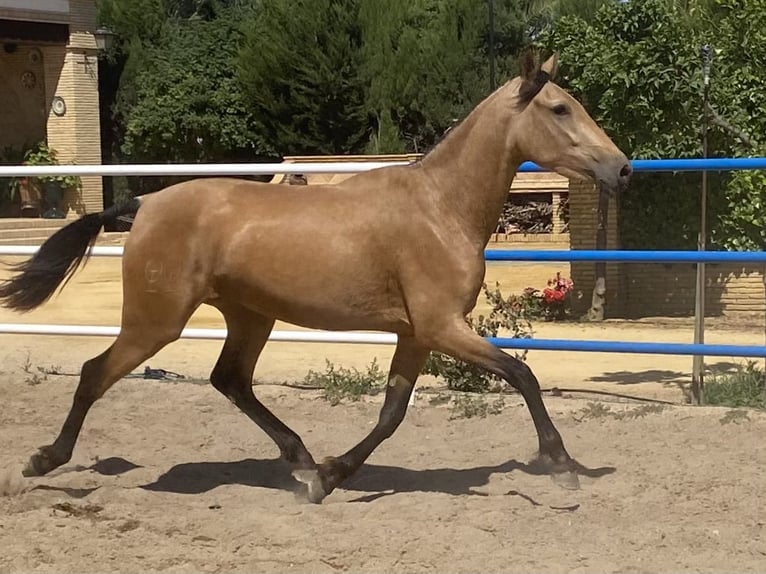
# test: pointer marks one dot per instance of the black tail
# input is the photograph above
(57, 259)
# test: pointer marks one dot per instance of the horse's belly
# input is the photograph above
(360, 301)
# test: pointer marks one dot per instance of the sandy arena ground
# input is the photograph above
(169, 476)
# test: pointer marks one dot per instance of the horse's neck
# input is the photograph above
(472, 170)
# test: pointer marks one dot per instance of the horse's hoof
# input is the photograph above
(310, 477)
(39, 464)
(36, 466)
(563, 474)
(567, 479)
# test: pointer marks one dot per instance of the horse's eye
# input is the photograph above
(560, 110)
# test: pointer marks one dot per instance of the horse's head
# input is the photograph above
(559, 133)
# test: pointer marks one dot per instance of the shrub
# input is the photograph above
(507, 314)
(743, 388)
(339, 383)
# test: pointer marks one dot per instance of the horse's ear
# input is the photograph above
(551, 65)
(532, 80)
(529, 65)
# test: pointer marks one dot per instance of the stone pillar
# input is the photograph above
(71, 73)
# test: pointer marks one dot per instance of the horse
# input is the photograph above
(397, 249)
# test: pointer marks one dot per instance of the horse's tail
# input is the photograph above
(57, 259)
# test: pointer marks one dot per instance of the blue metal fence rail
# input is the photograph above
(679, 165)
(626, 256)
(638, 348)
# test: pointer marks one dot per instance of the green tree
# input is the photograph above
(422, 64)
(168, 89)
(737, 29)
(299, 69)
(187, 104)
(637, 68)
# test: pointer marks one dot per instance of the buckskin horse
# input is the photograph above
(397, 249)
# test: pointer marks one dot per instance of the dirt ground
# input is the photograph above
(169, 476)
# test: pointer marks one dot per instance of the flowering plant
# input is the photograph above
(556, 296)
(550, 304)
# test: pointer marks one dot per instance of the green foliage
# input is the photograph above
(459, 375)
(420, 61)
(299, 69)
(42, 154)
(743, 388)
(319, 77)
(340, 383)
(744, 213)
(467, 407)
(185, 103)
(637, 69)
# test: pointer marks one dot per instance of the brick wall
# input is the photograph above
(637, 290)
(668, 290)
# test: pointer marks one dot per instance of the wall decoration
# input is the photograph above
(58, 105)
(28, 79)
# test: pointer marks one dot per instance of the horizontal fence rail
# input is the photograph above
(521, 255)
(222, 169)
(353, 337)
(626, 256)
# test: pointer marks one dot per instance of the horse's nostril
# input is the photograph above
(626, 170)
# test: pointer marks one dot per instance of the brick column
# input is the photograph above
(71, 72)
(583, 221)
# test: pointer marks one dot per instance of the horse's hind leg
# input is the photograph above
(247, 334)
(131, 347)
(409, 359)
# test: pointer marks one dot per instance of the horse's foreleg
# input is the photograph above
(406, 365)
(247, 334)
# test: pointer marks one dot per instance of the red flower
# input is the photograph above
(553, 295)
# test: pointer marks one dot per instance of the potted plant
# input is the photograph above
(12, 189)
(52, 186)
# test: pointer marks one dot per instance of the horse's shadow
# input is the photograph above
(376, 480)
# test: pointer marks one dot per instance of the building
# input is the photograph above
(49, 74)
